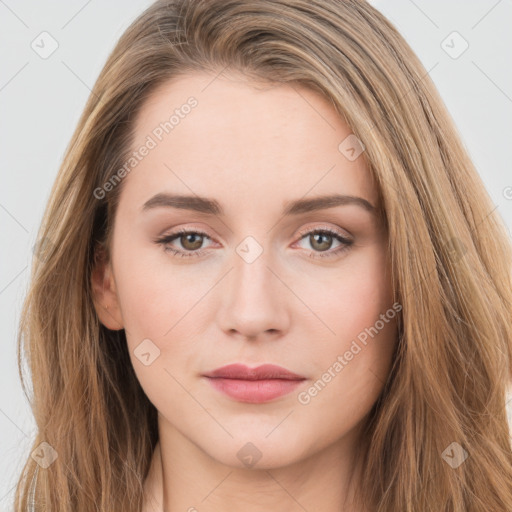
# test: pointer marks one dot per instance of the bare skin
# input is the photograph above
(253, 150)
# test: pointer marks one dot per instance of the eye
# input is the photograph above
(190, 240)
(321, 240)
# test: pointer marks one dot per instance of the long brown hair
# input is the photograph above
(451, 263)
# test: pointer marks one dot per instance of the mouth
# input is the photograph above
(254, 385)
(254, 391)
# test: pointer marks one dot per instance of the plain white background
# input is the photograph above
(41, 100)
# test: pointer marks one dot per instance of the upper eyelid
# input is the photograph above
(329, 229)
(301, 232)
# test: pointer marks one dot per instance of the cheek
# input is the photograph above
(358, 326)
(156, 297)
(157, 303)
(351, 365)
(352, 296)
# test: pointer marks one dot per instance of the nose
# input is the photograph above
(254, 301)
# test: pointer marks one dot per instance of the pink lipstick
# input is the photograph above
(254, 385)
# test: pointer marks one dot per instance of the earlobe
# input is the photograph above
(104, 293)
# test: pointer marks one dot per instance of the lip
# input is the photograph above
(262, 372)
(254, 385)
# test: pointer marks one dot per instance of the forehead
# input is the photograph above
(258, 141)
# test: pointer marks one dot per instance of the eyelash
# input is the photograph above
(165, 240)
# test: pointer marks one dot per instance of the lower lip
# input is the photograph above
(254, 391)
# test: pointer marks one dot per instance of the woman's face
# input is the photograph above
(257, 279)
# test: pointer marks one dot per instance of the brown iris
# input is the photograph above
(194, 239)
(322, 245)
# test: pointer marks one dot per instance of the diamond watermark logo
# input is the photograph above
(351, 147)
(44, 45)
(454, 45)
(249, 454)
(45, 455)
(454, 455)
(146, 352)
(249, 249)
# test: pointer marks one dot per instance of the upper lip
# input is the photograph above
(263, 372)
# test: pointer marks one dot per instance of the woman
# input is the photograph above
(271, 278)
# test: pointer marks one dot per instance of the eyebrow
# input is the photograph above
(212, 207)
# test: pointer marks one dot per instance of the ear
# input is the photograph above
(104, 292)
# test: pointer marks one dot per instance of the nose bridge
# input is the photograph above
(252, 301)
(251, 275)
